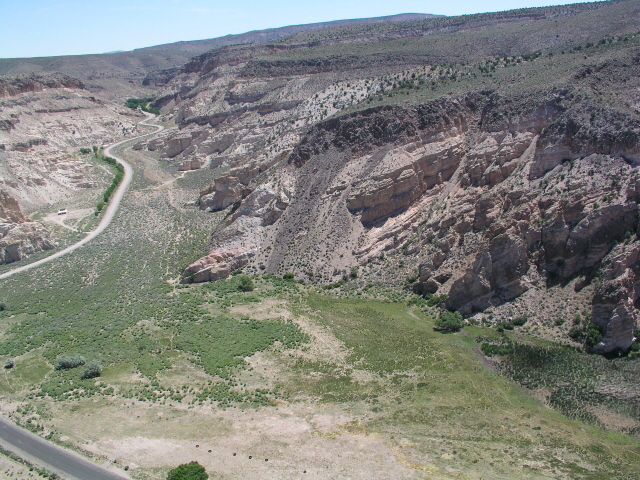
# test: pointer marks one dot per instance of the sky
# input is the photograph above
(38, 28)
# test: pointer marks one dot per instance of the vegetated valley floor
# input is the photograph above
(285, 381)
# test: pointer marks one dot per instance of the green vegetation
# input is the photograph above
(66, 362)
(572, 378)
(188, 471)
(9, 363)
(142, 104)
(520, 321)
(592, 334)
(245, 283)
(449, 322)
(92, 370)
(491, 349)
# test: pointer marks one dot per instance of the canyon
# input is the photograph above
(316, 201)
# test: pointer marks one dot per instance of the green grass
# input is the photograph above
(432, 390)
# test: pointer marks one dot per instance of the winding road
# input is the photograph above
(109, 213)
(25, 444)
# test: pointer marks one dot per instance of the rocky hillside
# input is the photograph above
(116, 76)
(44, 121)
(19, 235)
(503, 181)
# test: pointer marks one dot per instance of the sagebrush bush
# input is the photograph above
(93, 370)
(66, 362)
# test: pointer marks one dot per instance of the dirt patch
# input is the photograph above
(275, 442)
(613, 420)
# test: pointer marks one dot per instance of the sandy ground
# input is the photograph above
(72, 217)
(276, 442)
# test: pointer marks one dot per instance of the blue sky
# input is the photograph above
(32, 28)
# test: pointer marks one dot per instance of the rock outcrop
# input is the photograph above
(217, 265)
(19, 236)
(485, 191)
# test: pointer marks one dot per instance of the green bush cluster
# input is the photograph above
(435, 300)
(221, 343)
(245, 283)
(520, 321)
(143, 104)
(117, 179)
(502, 326)
(92, 370)
(188, 471)
(593, 335)
(449, 322)
(571, 377)
(65, 362)
(491, 349)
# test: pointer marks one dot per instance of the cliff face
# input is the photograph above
(487, 213)
(44, 121)
(19, 235)
(507, 195)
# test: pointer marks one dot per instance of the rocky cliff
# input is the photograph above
(44, 121)
(19, 235)
(507, 187)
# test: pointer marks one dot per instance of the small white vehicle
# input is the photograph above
(62, 211)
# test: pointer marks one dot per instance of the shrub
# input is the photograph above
(85, 151)
(491, 349)
(188, 471)
(520, 321)
(435, 300)
(93, 370)
(576, 332)
(3, 306)
(412, 278)
(66, 362)
(245, 283)
(449, 322)
(559, 321)
(593, 334)
(502, 326)
(9, 363)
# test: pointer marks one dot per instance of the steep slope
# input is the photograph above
(19, 235)
(508, 178)
(44, 121)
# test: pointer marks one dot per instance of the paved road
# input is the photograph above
(52, 457)
(26, 444)
(110, 212)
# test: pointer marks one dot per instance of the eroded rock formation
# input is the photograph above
(19, 235)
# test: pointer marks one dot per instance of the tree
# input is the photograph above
(9, 363)
(245, 283)
(65, 362)
(593, 334)
(93, 370)
(3, 306)
(188, 471)
(449, 322)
